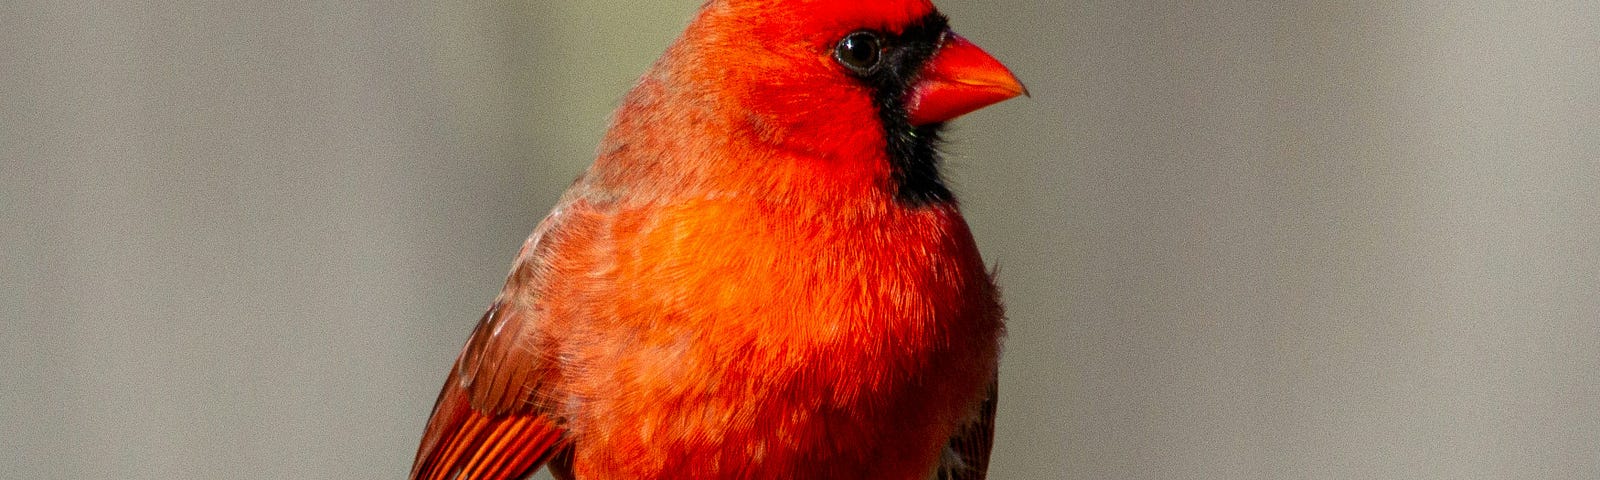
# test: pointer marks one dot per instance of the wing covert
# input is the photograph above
(488, 423)
(494, 417)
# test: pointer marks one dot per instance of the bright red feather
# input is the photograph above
(733, 290)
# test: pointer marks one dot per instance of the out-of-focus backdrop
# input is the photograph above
(1238, 240)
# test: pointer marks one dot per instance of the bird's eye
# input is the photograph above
(859, 51)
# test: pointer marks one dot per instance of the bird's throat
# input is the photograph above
(912, 151)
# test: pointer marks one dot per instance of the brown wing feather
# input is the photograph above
(493, 419)
(488, 423)
(496, 416)
(972, 443)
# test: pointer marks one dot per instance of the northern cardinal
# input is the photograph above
(762, 276)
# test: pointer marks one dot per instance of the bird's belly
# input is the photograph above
(806, 356)
(770, 413)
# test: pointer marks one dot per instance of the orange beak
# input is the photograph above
(959, 79)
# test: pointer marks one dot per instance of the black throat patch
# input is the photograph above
(913, 151)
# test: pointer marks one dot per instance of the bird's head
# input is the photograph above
(846, 81)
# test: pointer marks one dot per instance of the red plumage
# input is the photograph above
(738, 287)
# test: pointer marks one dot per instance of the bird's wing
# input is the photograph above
(494, 419)
(487, 423)
(967, 455)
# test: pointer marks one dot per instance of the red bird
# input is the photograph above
(762, 276)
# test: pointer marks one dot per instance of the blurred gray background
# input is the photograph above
(1240, 240)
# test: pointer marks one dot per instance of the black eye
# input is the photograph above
(859, 51)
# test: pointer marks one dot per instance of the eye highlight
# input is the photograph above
(860, 52)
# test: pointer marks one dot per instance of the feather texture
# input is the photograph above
(738, 287)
